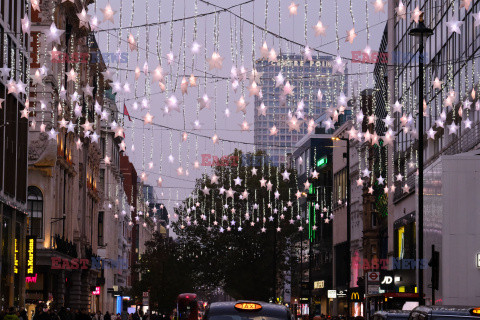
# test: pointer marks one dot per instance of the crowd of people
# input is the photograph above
(42, 313)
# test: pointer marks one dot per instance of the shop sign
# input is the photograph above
(96, 292)
(356, 294)
(15, 257)
(319, 284)
(341, 293)
(332, 294)
(31, 255)
(373, 277)
(31, 279)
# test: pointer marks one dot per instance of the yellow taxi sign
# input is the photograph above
(475, 311)
(248, 306)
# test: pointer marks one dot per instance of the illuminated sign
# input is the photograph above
(319, 284)
(321, 162)
(248, 306)
(478, 260)
(96, 292)
(31, 255)
(332, 294)
(15, 260)
(32, 279)
(355, 296)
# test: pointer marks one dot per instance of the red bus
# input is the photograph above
(187, 306)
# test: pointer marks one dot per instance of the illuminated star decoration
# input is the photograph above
(454, 26)
(36, 5)
(53, 34)
(339, 65)
(71, 75)
(25, 24)
(293, 8)
(108, 13)
(84, 18)
(350, 35)
(431, 134)
(477, 19)
(437, 84)
(262, 110)
(215, 62)
(132, 43)
(452, 129)
(379, 5)
(416, 15)
(465, 4)
(279, 79)
(319, 29)
(401, 11)
(264, 50)
(286, 175)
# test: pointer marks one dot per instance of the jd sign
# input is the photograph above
(387, 280)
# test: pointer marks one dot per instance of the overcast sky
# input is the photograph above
(141, 12)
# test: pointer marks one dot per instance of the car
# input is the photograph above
(444, 313)
(391, 315)
(247, 310)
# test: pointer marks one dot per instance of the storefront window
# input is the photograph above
(35, 208)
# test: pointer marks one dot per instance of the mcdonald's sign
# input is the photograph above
(356, 294)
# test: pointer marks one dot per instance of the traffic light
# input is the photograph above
(434, 263)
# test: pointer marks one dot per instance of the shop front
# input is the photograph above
(13, 257)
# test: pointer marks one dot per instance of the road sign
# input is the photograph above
(373, 277)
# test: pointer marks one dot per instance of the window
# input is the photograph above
(35, 208)
(100, 228)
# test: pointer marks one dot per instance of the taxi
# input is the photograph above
(391, 315)
(247, 310)
(444, 313)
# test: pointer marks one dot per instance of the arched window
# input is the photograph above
(35, 208)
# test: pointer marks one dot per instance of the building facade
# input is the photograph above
(450, 119)
(13, 157)
(307, 78)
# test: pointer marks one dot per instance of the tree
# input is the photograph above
(162, 273)
(222, 246)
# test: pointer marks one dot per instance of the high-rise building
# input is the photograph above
(307, 78)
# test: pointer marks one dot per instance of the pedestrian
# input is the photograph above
(11, 314)
(107, 316)
(124, 315)
(23, 315)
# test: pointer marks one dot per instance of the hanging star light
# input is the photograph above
(195, 47)
(20, 87)
(452, 128)
(397, 107)
(288, 89)
(84, 18)
(241, 105)
(272, 55)
(379, 5)
(52, 134)
(26, 24)
(319, 29)
(294, 124)
(5, 71)
(307, 54)
(254, 90)
(431, 134)
(132, 44)
(465, 4)
(215, 138)
(339, 65)
(245, 126)
(71, 75)
(108, 13)
(264, 50)
(53, 34)
(148, 118)
(204, 102)
(12, 87)
(406, 188)
(35, 5)
(351, 35)
(401, 11)
(215, 62)
(94, 23)
(293, 9)
(477, 19)
(454, 25)
(416, 15)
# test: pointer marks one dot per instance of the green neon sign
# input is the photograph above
(322, 162)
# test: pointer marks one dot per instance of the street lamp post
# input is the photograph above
(349, 235)
(421, 31)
